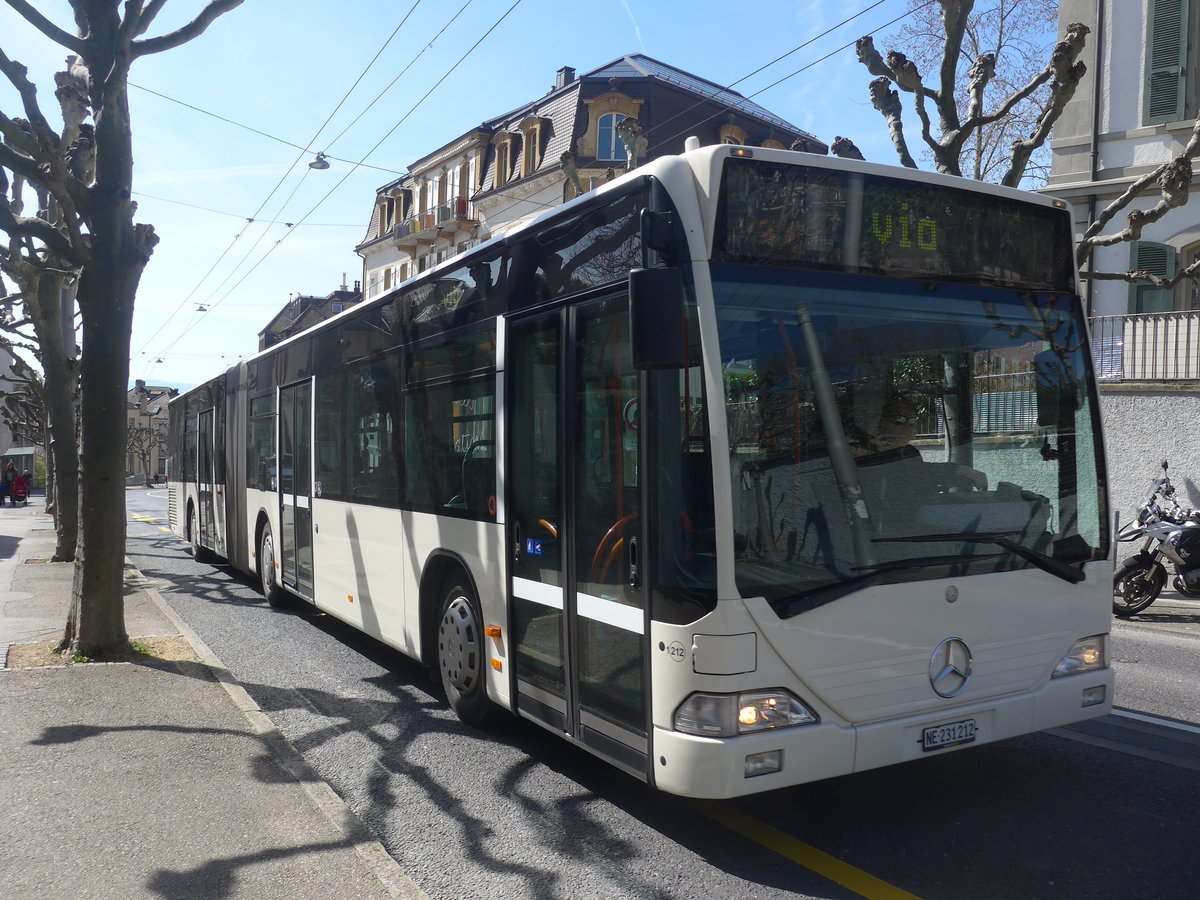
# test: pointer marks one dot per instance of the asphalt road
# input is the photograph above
(1105, 811)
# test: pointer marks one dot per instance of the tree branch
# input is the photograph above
(845, 148)
(16, 73)
(1141, 276)
(1173, 194)
(38, 229)
(980, 74)
(955, 14)
(46, 27)
(148, 16)
(193, 29)
(887, 101)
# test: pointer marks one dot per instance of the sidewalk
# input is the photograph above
(153, 779)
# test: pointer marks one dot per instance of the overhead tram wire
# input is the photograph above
(250, 221)
(761, 68)
(344, 178)
(392, 84)
(304, 175)
(419, 102)
(677, 134)
(221, 212)
(777, 59)
(251, 129)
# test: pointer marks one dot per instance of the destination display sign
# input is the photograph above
(803, 216)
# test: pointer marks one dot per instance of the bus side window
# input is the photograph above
(260, 456)
(450, 454)
(373, 419)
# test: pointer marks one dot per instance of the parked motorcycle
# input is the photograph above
(1172, 535)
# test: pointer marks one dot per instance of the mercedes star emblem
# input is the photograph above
(950, 667)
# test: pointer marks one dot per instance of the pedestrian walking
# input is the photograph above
(10, 479)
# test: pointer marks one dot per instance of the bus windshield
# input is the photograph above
(887, 430)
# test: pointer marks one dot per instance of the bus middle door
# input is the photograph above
(295, 488)
(574, 502)
(205, 479)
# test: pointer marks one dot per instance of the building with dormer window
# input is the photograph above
(545, 152)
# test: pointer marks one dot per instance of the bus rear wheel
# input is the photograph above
(461, 652)
(274, 594)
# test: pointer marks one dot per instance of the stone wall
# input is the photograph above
(1144, 424)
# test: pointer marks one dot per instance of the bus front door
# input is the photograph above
(295, 488)
(574, 507)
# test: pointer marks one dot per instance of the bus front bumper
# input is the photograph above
(715, 769)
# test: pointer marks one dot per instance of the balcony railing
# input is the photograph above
(1147, 346)
(455, 210)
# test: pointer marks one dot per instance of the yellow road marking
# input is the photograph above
(862, 883)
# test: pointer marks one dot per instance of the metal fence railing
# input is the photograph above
(1147, 346)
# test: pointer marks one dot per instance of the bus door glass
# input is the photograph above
(535, 511)
(575, 500)
(609, 602)
(204, 478)
(295, 487)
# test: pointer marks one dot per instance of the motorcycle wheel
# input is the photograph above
(1135, 586)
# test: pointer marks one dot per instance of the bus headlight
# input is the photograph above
(1087, 655)
(726, 715)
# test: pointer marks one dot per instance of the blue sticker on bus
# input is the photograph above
(532, 547)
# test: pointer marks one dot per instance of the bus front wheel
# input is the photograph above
(461, 652)
(273, 593)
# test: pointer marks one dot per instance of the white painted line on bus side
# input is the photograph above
(536, 592)
(618, 615)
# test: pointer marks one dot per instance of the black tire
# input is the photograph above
(199, 554)
(274, 593)
(1135, 586)
(462, 653)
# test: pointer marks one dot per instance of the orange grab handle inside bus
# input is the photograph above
(613, 535)
(550, 528)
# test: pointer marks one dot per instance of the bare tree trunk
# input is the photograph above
(63, 456)
(96, 622)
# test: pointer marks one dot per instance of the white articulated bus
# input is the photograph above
(747, 469)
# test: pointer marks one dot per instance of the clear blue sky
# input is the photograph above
(282, 67)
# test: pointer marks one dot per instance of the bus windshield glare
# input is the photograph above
(887, 430)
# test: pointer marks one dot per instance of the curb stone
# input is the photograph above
(389, 872)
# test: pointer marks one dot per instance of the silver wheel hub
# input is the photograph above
(459, 644)
(266, 563)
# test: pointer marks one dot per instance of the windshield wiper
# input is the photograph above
(827, 593)
(1000, 539)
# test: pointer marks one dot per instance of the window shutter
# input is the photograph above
(1166, 61)
(1158, 259)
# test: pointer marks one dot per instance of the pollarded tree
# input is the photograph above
(1012, 38)
(46, 302)
(91, 181)
(960, 104)
(962, 111)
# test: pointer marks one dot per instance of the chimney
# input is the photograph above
(564, 77)
(140, 386)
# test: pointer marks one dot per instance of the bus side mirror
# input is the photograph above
(656, 318)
